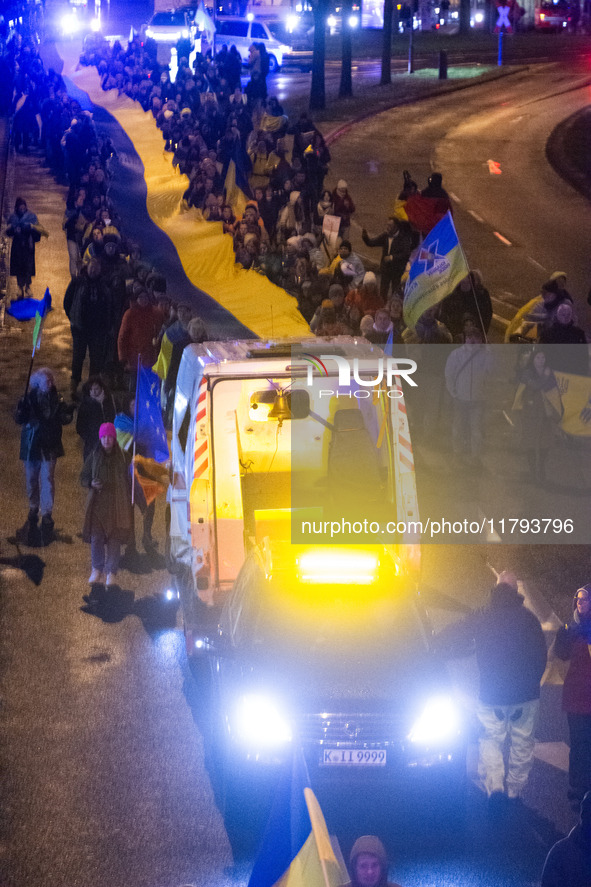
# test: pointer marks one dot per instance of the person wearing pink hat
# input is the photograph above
(108, 516)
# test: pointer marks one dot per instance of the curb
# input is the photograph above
(557, 154)
(335, 134)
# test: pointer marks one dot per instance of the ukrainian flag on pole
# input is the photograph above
(296, 849)
(436, 271)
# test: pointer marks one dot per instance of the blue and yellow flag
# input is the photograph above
(436, 271)
(296, 849)
(27, 309)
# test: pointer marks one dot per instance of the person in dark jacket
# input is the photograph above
(107, 517)
(24, 228)
(561, 332)
(42, 413)
(396, 244)
(469, 297)
(96, 408)
(368, 864)
(88, 307)
(568, 863)
(572, 643)
(511, 655)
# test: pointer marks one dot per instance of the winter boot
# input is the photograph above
(47, 526)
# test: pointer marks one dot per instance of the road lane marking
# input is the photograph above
(476, 216)
(502, 239)
(454, 197)
(537, 264)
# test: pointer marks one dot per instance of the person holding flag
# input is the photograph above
(438, 267)
(42, 413)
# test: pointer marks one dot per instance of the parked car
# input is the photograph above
(242, 33)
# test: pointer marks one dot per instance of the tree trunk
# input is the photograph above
(317, 90)
(387, 43)
(464, 16)
(346, 87)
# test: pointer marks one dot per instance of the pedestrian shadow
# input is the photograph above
(31, 565)
(114, 604)
(142, 564)
(33, 537)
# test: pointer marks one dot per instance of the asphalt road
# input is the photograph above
(516, 226)
(104, 775)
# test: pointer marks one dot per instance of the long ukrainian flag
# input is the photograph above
(436, 271)
(296, 849)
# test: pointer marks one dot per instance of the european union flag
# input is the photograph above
(26, 309)
(150, 436)
(436, 271)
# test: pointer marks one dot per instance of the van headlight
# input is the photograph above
(438, 722)
(260, 722)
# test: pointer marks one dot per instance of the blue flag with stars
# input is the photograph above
(435, 272)
(150, 436)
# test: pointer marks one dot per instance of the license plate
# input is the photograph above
(348, 757)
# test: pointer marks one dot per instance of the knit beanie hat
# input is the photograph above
(107, 429)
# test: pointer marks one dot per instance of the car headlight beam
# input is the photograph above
(438, 722)
(260, 722)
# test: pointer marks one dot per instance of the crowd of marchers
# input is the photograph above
(207, 121)
(119, 312)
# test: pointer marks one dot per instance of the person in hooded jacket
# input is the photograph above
(572, 643)
(368, 864)
(25, 230)
(41, 412)
(96, 408)
(108, 515)
(511, 655)
(568, 863)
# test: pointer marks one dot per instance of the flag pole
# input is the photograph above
(29, 373)
(474, 293)
(137, 385)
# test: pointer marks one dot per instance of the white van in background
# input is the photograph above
(242, 33)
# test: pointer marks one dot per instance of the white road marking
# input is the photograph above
(502, 239)
(475, 216)
(454, 197)
(516, 119)
(537, 264)
(506, 415)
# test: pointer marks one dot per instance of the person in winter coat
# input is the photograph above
(42, 413)
(396, 245)
(568, 863)
(107, 517)
(469, 297)
(368, 864)
(572, 643)
(511, 655)
(343, 206)
(540, 405)
(467, 370)
(25, 230)
(139, 330)
(96, 408)
(561, 332)
(89, 308)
